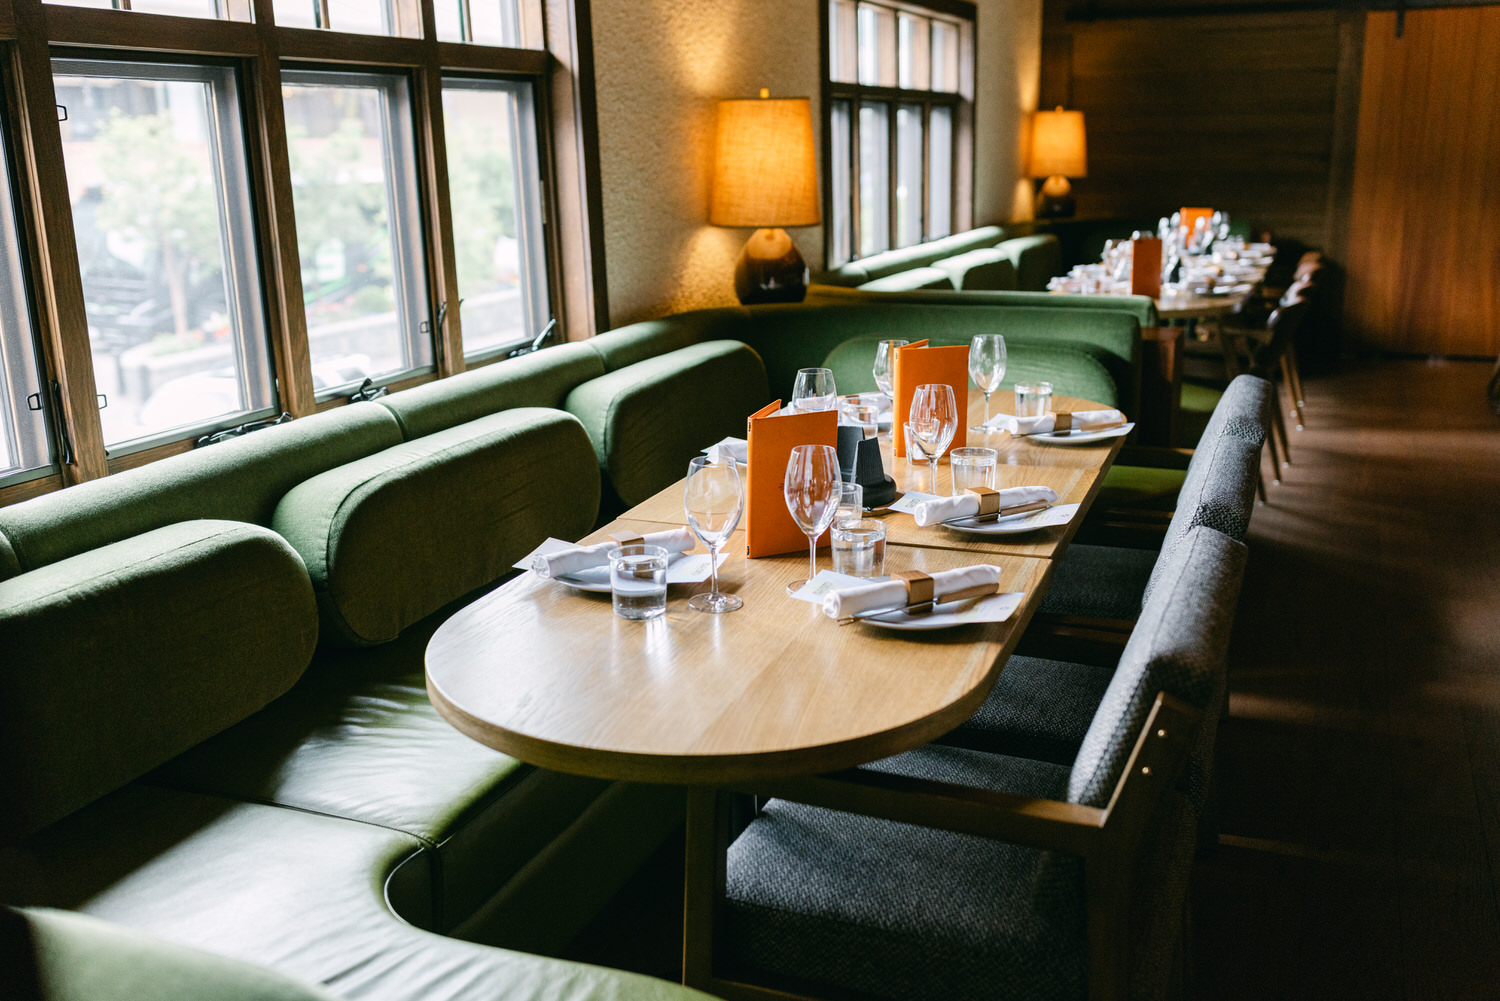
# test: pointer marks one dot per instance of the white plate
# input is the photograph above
(1081, 437)
(1057, 514)
(997, 608)
(596, 579)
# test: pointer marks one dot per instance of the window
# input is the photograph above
(899, 111)
(494, 174)
(182, 8)
(487, 22)
(354, 186)
(161, 213)
(366, 17)
(23, 407)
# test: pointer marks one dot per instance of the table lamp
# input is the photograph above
(766, 176)
(1058, 152)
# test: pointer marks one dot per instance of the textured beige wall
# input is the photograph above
(662, 65)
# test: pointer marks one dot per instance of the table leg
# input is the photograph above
(707, 849)
(1161, 385)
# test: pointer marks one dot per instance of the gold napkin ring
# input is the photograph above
(989, 503)
(1062, 421)
(626, 539)
(920, 588)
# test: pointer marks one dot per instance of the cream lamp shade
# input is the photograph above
(765, 172)
(1058, 147)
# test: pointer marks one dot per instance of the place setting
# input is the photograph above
(1036, 421)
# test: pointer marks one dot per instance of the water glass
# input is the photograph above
(1033, 399)
(851, 503)
(854, 412)
(814, 390)
(638, 581)
(859, 547)
(972, 467)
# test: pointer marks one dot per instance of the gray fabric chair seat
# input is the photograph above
(1099, 582)
(1038, 709)
(293, 891)
(904, 912)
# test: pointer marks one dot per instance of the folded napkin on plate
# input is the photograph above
(737, 449)
(966, 504)
(892, 594)
(1078, 420)
(570, 561)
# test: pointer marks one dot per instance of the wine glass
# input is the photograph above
(713, 500)
(813, 482)
(814, 389)
(986, 368)
(932, 420)
(885, 368)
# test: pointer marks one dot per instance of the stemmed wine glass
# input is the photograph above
(812, 488)
(932, 422)
(713, 500)
(885, 366)
(986, 368)
(814, 389)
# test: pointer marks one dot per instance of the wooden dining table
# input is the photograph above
(777, 689)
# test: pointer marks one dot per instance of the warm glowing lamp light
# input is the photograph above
(1058, 152)
(766, 176)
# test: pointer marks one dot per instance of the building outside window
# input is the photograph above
(899, 94)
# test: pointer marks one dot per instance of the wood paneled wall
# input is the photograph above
(1424, 226)
(1240, 112)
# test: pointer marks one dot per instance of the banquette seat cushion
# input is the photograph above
(985, 269)
(120, 658)
(915, 278)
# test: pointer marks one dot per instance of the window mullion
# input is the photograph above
(441, 255)
(60, 309)
(280, 261)
(856, 220)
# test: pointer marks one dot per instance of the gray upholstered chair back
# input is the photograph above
(1178, 646)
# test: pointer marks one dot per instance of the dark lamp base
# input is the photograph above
(1054, 199)
(770, 269)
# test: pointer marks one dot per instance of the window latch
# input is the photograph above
(368, 391)
(103, 401)
(242, 429)
(536, 345)
(62, 112)
(34, 402)
(62, 425)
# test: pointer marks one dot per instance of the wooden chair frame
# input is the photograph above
(1106, 839)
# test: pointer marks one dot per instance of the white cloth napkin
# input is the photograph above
(892, 594)
(570, 561)
(737, 449)
(966, 504)
(1082, 420)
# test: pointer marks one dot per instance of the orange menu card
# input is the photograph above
(916, 365)
(769, 527)
(1190, 218)
(1145, 267)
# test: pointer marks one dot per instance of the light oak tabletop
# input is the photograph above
(549, 675)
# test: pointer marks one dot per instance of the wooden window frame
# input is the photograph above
(560, 71)
(961, 103)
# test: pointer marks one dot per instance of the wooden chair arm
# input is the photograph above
(1156, 456)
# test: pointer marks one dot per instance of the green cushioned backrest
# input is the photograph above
(240, 479)
(119, 659)
(1072, 372)
(891, 262)
(1178, 646)
(793, 337)
(906, 281)
(637, 342)
(647, 420)
(539, 379)
(395, 536)
(9, 565)
(1036, 259)
(73, 957)
(986, 269)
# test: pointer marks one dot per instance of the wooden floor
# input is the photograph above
(1360, 766)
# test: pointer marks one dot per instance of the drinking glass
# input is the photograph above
(1033, 399)
(713, 500)
(856, 413)
(971, 467)
(813, 485)
(638, 581)
(859, 547)
(932, 421)
(885, 368)
(986, 368)
(851, 505)
(814, 389)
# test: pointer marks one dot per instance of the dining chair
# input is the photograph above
(948, 873)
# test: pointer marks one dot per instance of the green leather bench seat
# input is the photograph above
(915, 278)
(891, 262)
(118, 659)
(10, 566)
(649, 339)
(51, 955)
(382, 556)
(297, 892)
(540, 379)
(648, 419)
(1142, 307)
(1146, 487)
(241, 479)
(986, 269)
(1072, 370)
(1035, 258)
